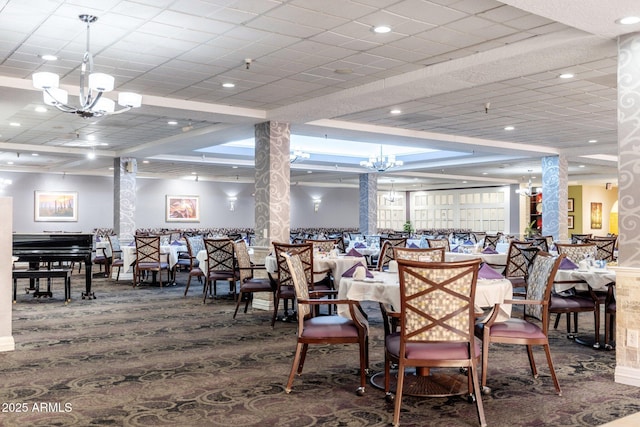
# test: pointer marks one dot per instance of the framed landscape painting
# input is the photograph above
(55, 206)
(183, 209)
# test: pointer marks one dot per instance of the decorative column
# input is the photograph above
(124, 197)
(273, 191)
(7, 342)
(369, 203)
(628, 273)
(555, 196)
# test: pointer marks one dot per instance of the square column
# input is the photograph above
(273, 190)
(369, 203)
(124, 197)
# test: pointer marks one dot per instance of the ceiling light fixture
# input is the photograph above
(391, 197)
(48, 57)
(92, 86)
(395, 111)
(509, 128)
(228, 85)
(529, 191)
(567, 75)
(382, 29)
(381, 163)
(629, 20)
(297, 155)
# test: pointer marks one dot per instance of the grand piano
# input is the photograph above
(36, 248)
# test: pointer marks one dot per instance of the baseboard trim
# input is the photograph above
(628, 376)
(7, 343)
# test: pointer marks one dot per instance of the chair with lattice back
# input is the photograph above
(149, 258)
(516, 269)
(249, 283)
(325, 329)
(520, 330)
(439, 243)
(323, 245)
(436, 324)
(195, 244)
(605, 247)
(221, 265)
(491, 241)
(419, 254)
(386, 251)
(116, 260)
(577, 238)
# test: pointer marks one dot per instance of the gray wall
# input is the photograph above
(339, 206)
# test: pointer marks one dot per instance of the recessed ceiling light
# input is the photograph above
(91, 155)
(228, 85)
(9, 162)
(35, 154)
(48, 57)
(485, 173)
(14, 124)
(234, 167)
(40, 109)
(309, 171)
(172, 122)
(628, 20)
(145, 161)
(509, 128)
(593, 141)
(110, 168)
(193, 173)
(395, 111)
(580, 166)
(567, 75)
(382, 29)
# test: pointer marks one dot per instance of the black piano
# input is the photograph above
(37, 248)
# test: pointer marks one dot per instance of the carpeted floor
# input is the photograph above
(149, 357)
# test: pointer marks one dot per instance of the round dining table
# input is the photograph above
(337, 264)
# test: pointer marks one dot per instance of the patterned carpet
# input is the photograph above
(149, 357)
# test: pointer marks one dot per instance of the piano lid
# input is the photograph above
(52, 241)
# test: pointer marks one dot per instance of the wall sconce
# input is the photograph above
(232, 203)
(316, 204)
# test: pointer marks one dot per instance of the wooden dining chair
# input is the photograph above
(439, 243)
(436, 324)
(116, 260)
(419, 254)
(249, 283)
(221, 265)
(605, 247)
(324, 330)
(149, 259)
(516, 269)
(522, 331)
(491, 241)
(195, 244)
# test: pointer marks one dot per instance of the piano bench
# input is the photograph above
(43, 274)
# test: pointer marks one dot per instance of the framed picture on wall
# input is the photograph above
(570, 205)
(183, 209)
(56, 206)
(596, 215)
(570, 221)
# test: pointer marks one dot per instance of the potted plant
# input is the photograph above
(531, 230)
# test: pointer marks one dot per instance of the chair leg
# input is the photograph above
(187, 287)
(276, 303)
(398, 398)
(473, 373)
(485, 357)
(238, 305)
(294, 366)
(303, 356)
(547, 351)
(207, 284)
(532, 362)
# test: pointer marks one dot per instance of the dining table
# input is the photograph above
(173, 251)
(337, 264)
(384, 287)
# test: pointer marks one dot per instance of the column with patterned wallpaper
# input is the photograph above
(369, 203)
(124, 197)
(628, 273)
(272, 196)
(555, 196)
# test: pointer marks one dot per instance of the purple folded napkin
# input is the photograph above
(98, 238)
(489, 251)
(353, 252)
(454, 249)
(488, 273)
(468, 242)
(176, 243)
(350, 271)
(413, 245)
(359, 245)
(132, 243)
(567, 264)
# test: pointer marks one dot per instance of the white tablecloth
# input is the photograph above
(385, 288)
(598, 279)
(337, 265)
(129, 254)
(491, 259)
(366, 251)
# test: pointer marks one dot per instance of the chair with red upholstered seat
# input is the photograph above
(314, 329)
(521, 330)
(436, 324)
